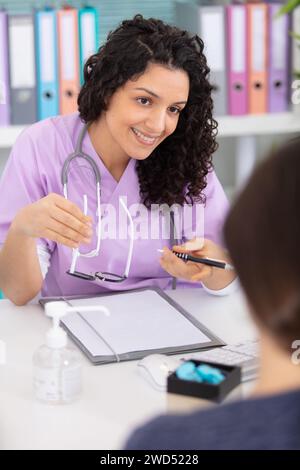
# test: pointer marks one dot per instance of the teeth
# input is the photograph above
(143, 137)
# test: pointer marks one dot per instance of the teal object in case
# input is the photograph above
(88, 19)
(46, 63)
(1, 295)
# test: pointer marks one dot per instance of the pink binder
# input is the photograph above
(257, 17)
(279, 61)
(237, 59)
(68, 46)
(4, 74)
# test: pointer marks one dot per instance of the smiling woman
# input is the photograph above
(144, 135)
(141, 115)
(137, 55)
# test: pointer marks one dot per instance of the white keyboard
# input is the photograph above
(244, 355)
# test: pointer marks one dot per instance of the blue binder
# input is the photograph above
(46, 63)
(88, 19)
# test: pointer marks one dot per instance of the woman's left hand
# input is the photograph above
(213, 278)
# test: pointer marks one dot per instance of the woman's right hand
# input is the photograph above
(55, 218)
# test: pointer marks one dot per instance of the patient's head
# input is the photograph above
(262, 233)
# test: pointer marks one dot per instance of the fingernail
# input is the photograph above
(196, 244)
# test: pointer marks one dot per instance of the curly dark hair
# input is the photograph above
(175, 172)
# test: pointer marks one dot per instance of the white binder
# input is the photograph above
(22, 69)
(209, 23)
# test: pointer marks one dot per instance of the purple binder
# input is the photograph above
(4, 71)
(278, 61)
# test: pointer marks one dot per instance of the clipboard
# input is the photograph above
(114, 339)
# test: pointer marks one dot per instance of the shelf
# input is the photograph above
(262, 124)
(229, 126)
(8, 135)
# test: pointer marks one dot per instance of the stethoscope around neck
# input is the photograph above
(78, 153)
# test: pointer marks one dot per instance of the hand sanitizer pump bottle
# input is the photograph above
(57, 368)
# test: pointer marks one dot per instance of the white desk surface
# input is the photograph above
(115, 398)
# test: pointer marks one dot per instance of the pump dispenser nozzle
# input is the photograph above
(56, 337)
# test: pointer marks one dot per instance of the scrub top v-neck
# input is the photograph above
(33, 171)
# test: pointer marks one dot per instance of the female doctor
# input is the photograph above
(144, 136)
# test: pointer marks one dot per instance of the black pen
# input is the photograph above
(208, 261)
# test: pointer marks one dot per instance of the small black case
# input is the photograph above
(215, 392)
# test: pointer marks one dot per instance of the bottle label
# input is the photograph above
(71, 383)
(53, 385)
(46, 384)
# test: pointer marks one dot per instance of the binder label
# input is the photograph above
(258, 39)
(22, 59)
(238, 47)
(47, 55)
(68, 47)
(89, 36)
(213, 22)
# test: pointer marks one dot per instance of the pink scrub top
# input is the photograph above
(34, 170)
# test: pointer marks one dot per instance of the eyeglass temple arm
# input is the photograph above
(98, 191)
(76, 252)
(99, 228)
(131, 230)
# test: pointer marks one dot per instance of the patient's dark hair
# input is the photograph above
(176, 170)
(262, 233)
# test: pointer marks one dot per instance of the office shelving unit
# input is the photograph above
(254, 125)
(246, 128)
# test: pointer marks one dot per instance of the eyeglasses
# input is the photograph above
(103, 275)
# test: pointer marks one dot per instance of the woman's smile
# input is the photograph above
(142, 138)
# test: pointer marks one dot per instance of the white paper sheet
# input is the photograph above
(138, 321)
